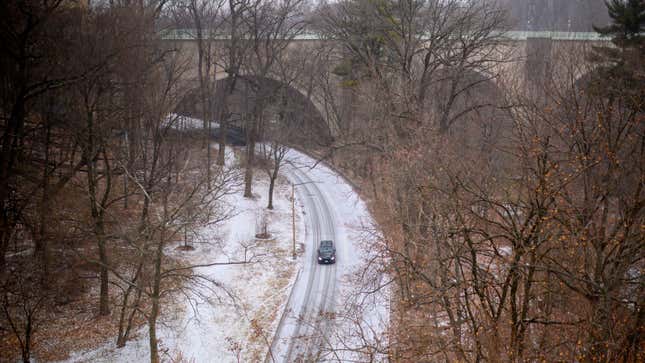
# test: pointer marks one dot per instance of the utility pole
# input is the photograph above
(293, 219)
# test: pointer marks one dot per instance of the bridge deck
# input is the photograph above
(191, 34)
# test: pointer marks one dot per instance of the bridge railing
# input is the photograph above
(574, 36)
(191, 34)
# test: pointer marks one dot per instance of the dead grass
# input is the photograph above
(261, 320)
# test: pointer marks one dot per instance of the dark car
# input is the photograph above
(326, 252)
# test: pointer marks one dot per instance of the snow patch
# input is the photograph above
(237, 320)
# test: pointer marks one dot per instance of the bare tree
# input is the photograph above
(86, 93)
(176, 195)
(206, 18)
(272, 26)
(31, 69)
(273, 155)
(528, 261)
(231, 61)
(22, 304)
(99, 115)
(286, 117)
(405, 49)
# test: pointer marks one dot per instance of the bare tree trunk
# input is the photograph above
(250, 160)
(104, 308)
(7, 159)
(271, 186)
(4, 242)
(152, 330)
(209, 172)
(203, 71)
(222, 118)
(125, 325)
(99, 231)
(234, 60)
(26, 351)
(41, 248)
(98, 209)
(221, 152)
(154, 311)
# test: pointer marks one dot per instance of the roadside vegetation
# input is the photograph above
(508, 189)
(511, 208)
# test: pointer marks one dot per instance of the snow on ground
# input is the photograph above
(235, 327)
(362, 303)
(241, 329)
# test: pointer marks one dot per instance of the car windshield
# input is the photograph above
(327, 243)
(326, 249)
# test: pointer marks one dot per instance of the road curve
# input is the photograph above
(301, 336)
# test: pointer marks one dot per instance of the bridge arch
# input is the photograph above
(298, 113)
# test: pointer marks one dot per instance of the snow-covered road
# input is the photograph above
(301, 335)
(313, 319)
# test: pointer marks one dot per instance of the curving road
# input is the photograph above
(302, 334)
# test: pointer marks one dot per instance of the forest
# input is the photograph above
(506, 189)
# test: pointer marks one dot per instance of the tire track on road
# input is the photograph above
(312, 321)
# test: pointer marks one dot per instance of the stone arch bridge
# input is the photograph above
(529, 57)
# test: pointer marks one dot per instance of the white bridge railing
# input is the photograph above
(191, 34)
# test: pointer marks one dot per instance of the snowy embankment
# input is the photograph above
(237, 321)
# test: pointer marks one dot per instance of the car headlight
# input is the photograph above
(319, 258)
(333, 257)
